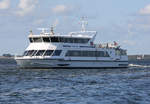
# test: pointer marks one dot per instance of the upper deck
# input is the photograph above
(81, 37)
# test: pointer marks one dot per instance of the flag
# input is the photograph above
(115, 43)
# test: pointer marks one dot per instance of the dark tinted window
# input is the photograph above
(29, 52)
(84, 40)
(87, 53)
(73, 40)
(31, 40)
(35, 51)
(57, 53)
(37, 39)
(40, 52)
(48, 52)
(59, 39)
(54, 39)
(46, 39)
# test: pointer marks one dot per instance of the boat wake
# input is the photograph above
(137, 65)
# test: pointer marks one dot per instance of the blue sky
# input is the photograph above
(124, 21)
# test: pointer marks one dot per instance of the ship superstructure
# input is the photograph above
(74, 50)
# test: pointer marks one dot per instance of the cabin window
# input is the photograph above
(40, 52)
(37, 39)
(84, 40)
(61, 39)
(48, 52)
(87, 53)
(57, 53)
(123, 52)
(31, 40)
(54, 39)
(35, 51)
(46, 39)
(30, 53)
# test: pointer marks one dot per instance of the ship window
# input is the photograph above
(31, 40)
(40, 52)
(46, 39)
(69, 40)
(87, 54)
(48, 52)
(66, 40)
(37, 39)
(29, 52)
(123, 52)
(57, 53)
(61, 39)
(54, 39)
(85, 40)
(35, 51)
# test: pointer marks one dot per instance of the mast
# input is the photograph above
(52, 30)
(31, 33)
(83, 24)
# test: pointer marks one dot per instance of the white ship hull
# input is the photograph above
(49, 63)
(75, 50)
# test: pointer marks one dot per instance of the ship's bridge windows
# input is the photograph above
(59, 39)
(46, 39)
(29, 53)
(73, 40)
(75, 53)
(57, 53)
(48, 52)
(31, 40)
(39, 39)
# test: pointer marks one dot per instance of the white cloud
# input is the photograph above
(26, 6)
(62, 9)
(4, 4)
(145, 10)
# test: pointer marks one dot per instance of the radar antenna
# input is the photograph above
(83, 24)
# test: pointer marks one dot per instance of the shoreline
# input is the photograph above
(3, 57)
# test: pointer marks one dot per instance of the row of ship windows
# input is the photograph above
(71, 53)
(59, 39)
(42, 53)
(75, 53)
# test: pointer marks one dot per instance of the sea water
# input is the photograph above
(74, 86)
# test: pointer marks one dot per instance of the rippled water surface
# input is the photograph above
(74, 86)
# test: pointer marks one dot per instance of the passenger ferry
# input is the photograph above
(74, 50)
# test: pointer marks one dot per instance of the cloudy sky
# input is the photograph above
(125, 21)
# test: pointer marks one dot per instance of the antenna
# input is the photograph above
(83, 23)
(52, 30)
(43, 29)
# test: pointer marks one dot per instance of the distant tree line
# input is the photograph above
(8, 55)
